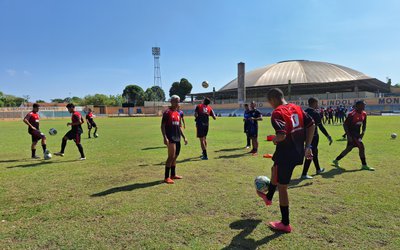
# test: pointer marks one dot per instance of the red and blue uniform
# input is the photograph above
(202, 120)
(292, 121)
(172, 121)
(353, 122)
(33, 118)
(89, 118)
(76, 130)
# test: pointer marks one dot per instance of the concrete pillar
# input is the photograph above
(241, 83)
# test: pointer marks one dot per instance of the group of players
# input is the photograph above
(32, 120)
(296, 138)
(332, 115)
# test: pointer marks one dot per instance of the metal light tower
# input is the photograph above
(157, 72)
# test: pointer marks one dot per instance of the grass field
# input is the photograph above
(114, 199)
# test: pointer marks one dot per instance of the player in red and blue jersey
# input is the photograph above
(294, 132)
(202, 115)
(74, 133)
(171, 130)
(90, 123)
(355, 121)
(32, 120)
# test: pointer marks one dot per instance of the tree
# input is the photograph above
(182, 88)
(134, 94)
(57, 100)
(40, 101)
(76, 100)
(116, 100)
(149, 95)
(96, 100)
(159, 93)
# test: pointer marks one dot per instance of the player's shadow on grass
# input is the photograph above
(337, 171)
(227, 150)
(232, 156)
(152, 148)
(40, 163)
(247, 226)
(127, 188)
(7, 161)
(178, 161)
(295, 183)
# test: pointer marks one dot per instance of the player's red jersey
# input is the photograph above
(354, 121)
(291, 120)
(203, 114)
(76, 117)
(172, 121)
(33, 119)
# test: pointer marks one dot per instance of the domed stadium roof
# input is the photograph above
(299, 72)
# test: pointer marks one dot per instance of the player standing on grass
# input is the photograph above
(352, 125)
(171, 130)
(74, 133)
(202, 115)
(32, 120)
(255, 116)
(314, 113)
(293, 128)
(246, 121)
(90, 123)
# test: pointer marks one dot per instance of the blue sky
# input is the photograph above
(51, 49)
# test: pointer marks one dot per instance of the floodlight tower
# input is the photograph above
(157, 72)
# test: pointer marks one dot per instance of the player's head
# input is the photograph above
(360, 105)
(252, 104)
(246, 106)
(175, 101)
(71, 107)
(35, 107)
(206, 101)
(313, 102)
(275, 97)
(89, 110)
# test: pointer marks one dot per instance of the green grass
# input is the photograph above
(114, 199)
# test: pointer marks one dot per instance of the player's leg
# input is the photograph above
(173, 165)
(44, 146)
(79, 145)
(361, 152)
(95, 129)
(67, 136)
(33, 149)
(347, 150)
(171, 156)
(247, 140)
(254, 141)
(271, 188)
(89, 129)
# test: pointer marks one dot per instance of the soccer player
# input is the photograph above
(172, 132)
(90, 123)
(202, 114)
(255, 116)
(330, 115)
(293, 127)
(246, 120)
(313, 112)
(32, 120)
(352, 125)
(74, 133)
(181, 116)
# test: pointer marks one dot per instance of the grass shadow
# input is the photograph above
(40, 163)
(337, 171)
(295, 183)
(241, 241)
(7, 161)
(152, 148)
(232, 156)
(126, 188)
(228, 150)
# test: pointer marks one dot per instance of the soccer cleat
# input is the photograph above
(319, 171)
(35, 157)
(82, 158)
(267, 156)
(176, 177)
(264, 197)
(365, 167)
(204, 157)
(306, 177)
(336, 163)
(279, 226)
(247, 147)
(59, 154)
(169, 181)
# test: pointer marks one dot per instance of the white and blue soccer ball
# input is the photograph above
(393, 135)
(96, 135)
(52, 131)
(205, 84)
(47, 155)
(261, 183)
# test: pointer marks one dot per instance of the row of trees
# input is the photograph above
(131, 94)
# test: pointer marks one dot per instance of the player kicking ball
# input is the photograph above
(352, 125)
(90, 123)
(172, 132)
(32, 120)
(294, 132)
(74, 133)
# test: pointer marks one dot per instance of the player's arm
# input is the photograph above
(310, 129)
(346, 125)
(163, 131)
(364, 127)
(196, 112)
(258, 117)
(278, 123)
(26, 121)
(78, 121)
(213, 114)
(183, 135)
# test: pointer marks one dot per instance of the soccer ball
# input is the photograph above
(393, 135)
(47, 155)
(204, 84)
(96, 135)
(262, 183)
(52, 131)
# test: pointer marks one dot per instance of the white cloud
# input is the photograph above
(11, 72)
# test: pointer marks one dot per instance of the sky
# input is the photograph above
(56, 49)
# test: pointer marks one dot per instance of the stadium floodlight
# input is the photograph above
(155, 51)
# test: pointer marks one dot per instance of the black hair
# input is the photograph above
(70, 105)
(312, 100)
(275, 93)
(206, 101)
(35, 105)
